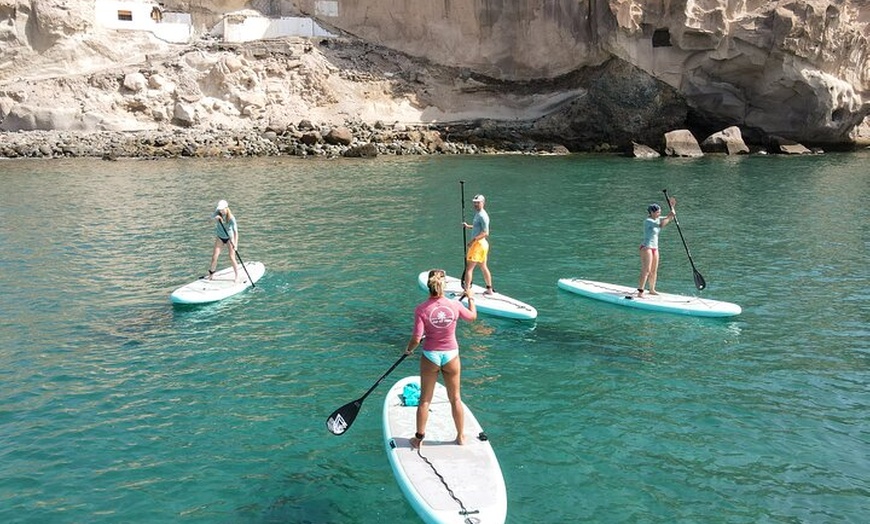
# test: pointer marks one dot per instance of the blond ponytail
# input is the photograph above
(436, 282)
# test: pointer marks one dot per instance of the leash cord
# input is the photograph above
(464, 511)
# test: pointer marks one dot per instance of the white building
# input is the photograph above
(247, 26)
(143, 15)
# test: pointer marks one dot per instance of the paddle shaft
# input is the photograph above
(699, 279)
(233, 247)
(394, 366)
(464, 238)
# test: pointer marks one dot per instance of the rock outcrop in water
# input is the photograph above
(586, 75)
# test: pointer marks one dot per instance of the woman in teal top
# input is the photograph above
(649, 249)
(227, 232)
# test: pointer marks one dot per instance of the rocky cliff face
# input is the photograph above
(580, 73)
(797, 68)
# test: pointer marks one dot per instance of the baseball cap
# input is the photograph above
(221, 205)
(653, 207)
(478, 198)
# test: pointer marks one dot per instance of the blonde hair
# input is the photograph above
(436, 282)
(229, 215)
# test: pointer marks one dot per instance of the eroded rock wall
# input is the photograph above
(500, 38)
(798, 68)
(795, 68)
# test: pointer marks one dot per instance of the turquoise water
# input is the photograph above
(117, 407)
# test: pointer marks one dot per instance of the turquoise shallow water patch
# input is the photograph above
(118, 407)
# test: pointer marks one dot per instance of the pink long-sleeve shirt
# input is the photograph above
(437, 318)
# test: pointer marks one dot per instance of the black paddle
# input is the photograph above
(699, 280)
(343, 417)
(251, 280)
(464, 238)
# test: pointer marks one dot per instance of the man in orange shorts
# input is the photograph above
(478, 246)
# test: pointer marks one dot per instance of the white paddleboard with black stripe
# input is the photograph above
(497, 304)
(665, 302)
(220, 286)
(443, 481)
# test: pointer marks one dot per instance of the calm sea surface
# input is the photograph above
(117, 407)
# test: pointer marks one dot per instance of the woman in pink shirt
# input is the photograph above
(436, 319)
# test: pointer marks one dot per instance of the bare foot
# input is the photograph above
(460, 439)
(416, 443)
(653, 292)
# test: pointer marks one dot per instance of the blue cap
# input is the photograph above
(653, 207)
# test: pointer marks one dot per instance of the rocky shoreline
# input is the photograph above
(304, 139)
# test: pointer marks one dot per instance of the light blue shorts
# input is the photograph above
(440, 358)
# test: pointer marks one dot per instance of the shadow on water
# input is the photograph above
(290, 510)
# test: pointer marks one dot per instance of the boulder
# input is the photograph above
(861, 134)
(341, 136)
(643, 151)
(785, 146)
(184, 114)
(432, 140)
(362, 151)
(135, 82)
(309, 138)
(728, 141)
(682, 142)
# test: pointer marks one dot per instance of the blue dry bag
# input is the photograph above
(411, 394)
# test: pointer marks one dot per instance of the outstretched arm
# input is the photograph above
(672, 213)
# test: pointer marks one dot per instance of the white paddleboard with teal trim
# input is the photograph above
(470, 471)
(497, 304)
(666, 302)
(221, 285)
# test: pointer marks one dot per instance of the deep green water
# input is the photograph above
(117, 407)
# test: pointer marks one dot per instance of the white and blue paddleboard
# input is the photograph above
(470, 471)
(221, 285)
(665, 302)
(496, 304)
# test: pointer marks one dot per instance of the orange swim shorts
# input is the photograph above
(478, 251)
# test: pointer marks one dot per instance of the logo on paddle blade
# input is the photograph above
(337, 424)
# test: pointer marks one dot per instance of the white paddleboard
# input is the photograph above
(471, 471)
(221, 285)
(627, 296)
(497, 304)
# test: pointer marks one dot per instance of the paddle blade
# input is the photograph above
(699, 281)
(343, 417)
